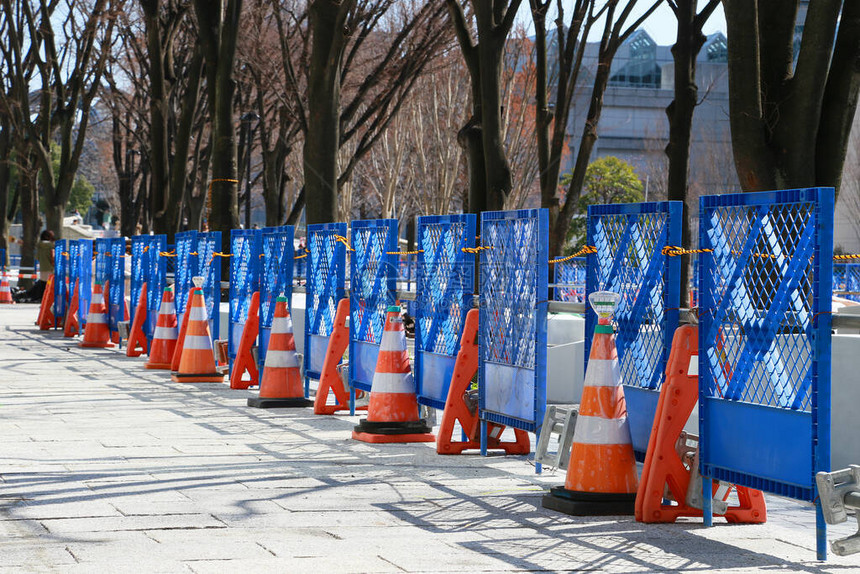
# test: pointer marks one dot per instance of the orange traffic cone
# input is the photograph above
(392, 415)
(71, 327)
(197, 362)
(46, 309)
(5, 290)
(164, 339)
(96, 331)
(281, 385)
(601, 476)
(177, 353)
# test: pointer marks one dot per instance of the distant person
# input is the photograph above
(45, 256)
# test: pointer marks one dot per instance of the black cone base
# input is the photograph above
(589, 503)
(408, 427)
(292, 403)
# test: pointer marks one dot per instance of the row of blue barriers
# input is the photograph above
(764, 281)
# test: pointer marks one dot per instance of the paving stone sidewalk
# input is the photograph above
(108, 467)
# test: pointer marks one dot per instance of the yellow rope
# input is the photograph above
(404, 252)
(584, 250)
(344, 240)
(475, 249)
(846, 257)
(167, 253)
(675, 251)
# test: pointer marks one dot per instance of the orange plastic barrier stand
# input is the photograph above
(244, 360)
(137, 341)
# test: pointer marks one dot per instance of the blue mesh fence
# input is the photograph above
(570, 280)
(373, 286)
(326, 275)
(186, 268)
(116, 298)
(85, 274)
(629, 239)
(276, 278)
(846, 280)
(155, 274)
(74, 268)
(101, 250)
(209, 268)
(514, 274)
(61, 279)
(138, 244)
(445, 279)
(245, 249)
(764, 342)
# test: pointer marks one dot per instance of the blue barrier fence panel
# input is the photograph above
(846, 280)
(85, 275)
(209, 267)
(101, 251)
(116, 298)
(629, 239)
(74, 270)
(514, 273)
(445, 283)
(326, 275)
(155, 274)
(139, 244)
(245, 249)
(373, 287)
(61, 279)
(764, 339)
(276, 278)
(186, 268)
(570, 280)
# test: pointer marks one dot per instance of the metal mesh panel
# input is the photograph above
(101, 251)
(276, 274)
(326, 273)
(629, 239)
(373, 283)
(570, 280)
(74, 266)
(513, 273)
(85, 274)
(61, 278)
(245, 249)
(117, 281)
(138, 244)
(186, 268)
(210, 269)
(155, 275)
(764, 338)
(445, 279)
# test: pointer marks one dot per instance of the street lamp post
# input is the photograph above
(249, 134)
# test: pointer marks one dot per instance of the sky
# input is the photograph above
(660, 26)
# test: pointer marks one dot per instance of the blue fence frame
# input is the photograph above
(186, 268)
(74, 269)
(138, 246)
(276, 278)
(245, 248)
(61, 279)
(85, 274)
(373, 287)
(116, 275)
(764, 341)
(445, 283)
(629, 239)
(326, 275)
(207, 267)
(514, 272)
(101, 251)
(570, 280)
(155, 275)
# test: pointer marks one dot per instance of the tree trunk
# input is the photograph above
(323, 136)
(29, 213)
(688, 43)
(5, 177)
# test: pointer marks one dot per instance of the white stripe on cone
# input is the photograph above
(393, 341)
(197, 342)
(98, 299)
(166, 308)
(282, 325)
(392, 383)
(281, 359)
(96, 318)
(198, 314)
(169, 333)
(597, 430)
(602, 373)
